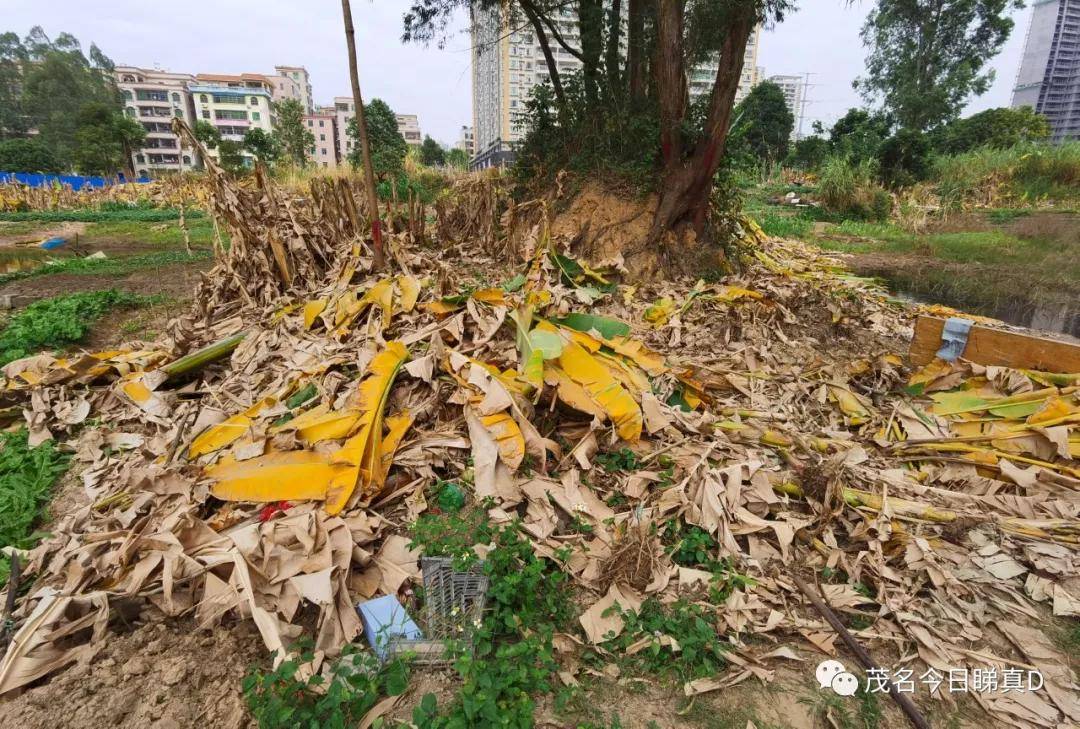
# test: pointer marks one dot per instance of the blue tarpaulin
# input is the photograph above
(77, 182)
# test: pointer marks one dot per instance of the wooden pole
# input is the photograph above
(361, 130)
(906, 704)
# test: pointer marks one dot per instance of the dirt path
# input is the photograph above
(175, 281)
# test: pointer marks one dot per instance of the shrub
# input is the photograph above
(904, 158)
(849, 189)
(998, 128)
(27, 155)
(284, 698)
(808, 153)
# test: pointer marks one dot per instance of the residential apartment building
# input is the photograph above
(466, 141)
(323, 125)
(507, 64)
(1049, 77)
(794, 87)
(234, 104)
(409, 126)
(154, 98)
(293, 82)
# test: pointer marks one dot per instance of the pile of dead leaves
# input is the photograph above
(278, 485)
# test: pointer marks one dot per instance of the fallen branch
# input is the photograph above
(202, 357)
(904, 701)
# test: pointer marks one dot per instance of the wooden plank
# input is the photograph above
(999, 347)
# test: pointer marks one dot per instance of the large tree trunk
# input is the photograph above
(635, 50)
(686, 180)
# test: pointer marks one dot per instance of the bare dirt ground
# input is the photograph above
(149, 673)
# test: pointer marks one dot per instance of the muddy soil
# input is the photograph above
(177, 281)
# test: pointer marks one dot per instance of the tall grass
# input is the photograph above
(1027, 174)
(851, 189)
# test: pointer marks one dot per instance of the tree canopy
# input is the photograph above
(431, 153)
(104, 140)
(927, 57)
(27, 155)
(628, 110)
(388, 147)
(52, 87)
(292, 137)
(262, 145)
(998, 128)
(763, 123)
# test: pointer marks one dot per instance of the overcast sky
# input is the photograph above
(233, 36)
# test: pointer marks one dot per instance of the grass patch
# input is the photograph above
(143, 215)
(1024, 175)
(60, 321)
(784, 226)
(163, 233)
(27, 476)
(110, 266)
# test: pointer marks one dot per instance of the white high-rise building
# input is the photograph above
(1049, 77)
(466, 141)
(794, 88)
(508, 63)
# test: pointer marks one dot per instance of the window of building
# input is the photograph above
(178, 113)
(176, 98)
(187, 160)
(254, 101)
(323, 151)
(322, 137)
(320, 122)
(127, 94)
(130, 111)
(205, 113)
(309, 123)
(203, 99)
(255, 115)
(230, 114)
(140, 158)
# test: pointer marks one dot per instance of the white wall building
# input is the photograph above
(323, 126)
(1049, 77)
(234, 104)
(154, 98)
(409, 126)
(344, 110)
(466, 142)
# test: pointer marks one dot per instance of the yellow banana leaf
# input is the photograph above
(1054, 410)
(507, 437)
(410, 292)
(659, 312)
(218, 436)
(319, 423)
(363, 451)
(312, 309)
(396, 427)
(495, 297)
(849, 404)
(600, 386)
(288, 476)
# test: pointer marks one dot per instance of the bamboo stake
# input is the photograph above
(361, 130)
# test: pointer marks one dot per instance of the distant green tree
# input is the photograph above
(431, 153)
(998, 128)
(808, 153)
(207, 133)
(388, 147)
(292, 137)
(858, 134)
(12, 57)
(904, 158)
(928, 57)
(105, 139)
(457, 157)
(764, 123)
(57, 80)
(262, 145)
(230, 153)
(27, 155)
